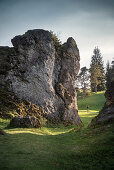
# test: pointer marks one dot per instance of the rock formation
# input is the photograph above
(39, 73)
(106, 115)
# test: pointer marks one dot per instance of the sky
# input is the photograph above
(89, 22)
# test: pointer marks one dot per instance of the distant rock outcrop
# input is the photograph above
(106, 115)
(39, 73)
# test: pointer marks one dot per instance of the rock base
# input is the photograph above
(25, 122)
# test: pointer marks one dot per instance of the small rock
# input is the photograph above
(2, 132)
(25, 122)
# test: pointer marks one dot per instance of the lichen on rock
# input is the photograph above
(43, 75)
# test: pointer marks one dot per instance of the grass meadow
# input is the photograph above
(56, 147)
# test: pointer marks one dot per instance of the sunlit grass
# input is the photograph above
(42, 131)
(100, 92)
(87, 116)
(95, 100)
(47, 130)
(56, 147)
(95, 103)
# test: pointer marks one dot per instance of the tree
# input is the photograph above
(83, 79)
(97, 74)
(56, 40)
(109, 73)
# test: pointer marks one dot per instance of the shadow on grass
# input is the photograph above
(85, 149)
(50, 129)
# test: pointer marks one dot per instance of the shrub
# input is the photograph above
(11, 106)
(57, 42)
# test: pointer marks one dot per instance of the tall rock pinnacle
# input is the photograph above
(44, 76)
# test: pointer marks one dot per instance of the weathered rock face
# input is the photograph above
(106, 115)
(65, 85)
(40, 74)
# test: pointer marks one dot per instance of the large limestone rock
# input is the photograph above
(43, 75)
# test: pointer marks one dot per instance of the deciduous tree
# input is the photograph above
(83, 79)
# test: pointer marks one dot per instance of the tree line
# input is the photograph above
(96, 77)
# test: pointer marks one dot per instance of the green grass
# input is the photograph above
(95, 101)
(86, 117)
(57, 147)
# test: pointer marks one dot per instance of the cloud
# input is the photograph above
(90, 22)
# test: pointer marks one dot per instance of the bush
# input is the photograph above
(29, 115)
(56, 41)
(11, 106)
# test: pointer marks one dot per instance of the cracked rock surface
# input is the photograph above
(42, 75)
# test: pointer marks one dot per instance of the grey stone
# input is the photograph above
(44, 76)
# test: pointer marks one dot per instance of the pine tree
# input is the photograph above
(109, 73)
(97, 75)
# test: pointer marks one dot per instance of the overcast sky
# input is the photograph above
(89, 22)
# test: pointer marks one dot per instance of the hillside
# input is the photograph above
(95, 102)
(56, 147)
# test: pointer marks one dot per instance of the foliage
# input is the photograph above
(56, 40)
(80, 93)
(29, 109)
(82, 80)
(7, 106)
(11, 106)
(97, 75)
(25, 109)
(109, 74)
